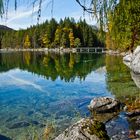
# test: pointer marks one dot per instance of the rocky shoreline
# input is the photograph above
(116, 53)
(105, 111)
(101, 122)
(55, 50)
(132, 60)
(58, 50)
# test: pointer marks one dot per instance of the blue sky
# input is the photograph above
(25, 16)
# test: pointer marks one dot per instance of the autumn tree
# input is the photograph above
(58, 34)
(71, 38)
(27, 42)
(64, 40)
(45, 40)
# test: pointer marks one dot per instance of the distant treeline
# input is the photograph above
(66, 33)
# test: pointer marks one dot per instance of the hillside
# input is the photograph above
(2, 27)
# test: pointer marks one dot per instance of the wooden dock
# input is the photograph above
(91, 50)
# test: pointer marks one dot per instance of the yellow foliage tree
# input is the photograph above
(46, 40)
(71, 38)
(27, 43)
(58, 34)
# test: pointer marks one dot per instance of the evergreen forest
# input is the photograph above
(119, 25)
(66, 33)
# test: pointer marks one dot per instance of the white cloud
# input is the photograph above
(23, 17)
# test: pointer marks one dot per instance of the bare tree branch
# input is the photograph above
(89, 10)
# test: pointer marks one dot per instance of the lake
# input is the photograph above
(39, 91)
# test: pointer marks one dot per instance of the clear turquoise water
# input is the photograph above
(33, 96)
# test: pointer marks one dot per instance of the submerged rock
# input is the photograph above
(37, 123)
(85, 129)
(118, 128)
(11, 119)
(19, 125)
(104, 105)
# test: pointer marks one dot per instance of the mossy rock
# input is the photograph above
(95, 128)
(85, 129)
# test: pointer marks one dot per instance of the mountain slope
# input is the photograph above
(2, 27)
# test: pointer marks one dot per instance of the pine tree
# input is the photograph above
(90, 38)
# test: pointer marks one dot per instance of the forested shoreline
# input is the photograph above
(119, 23)
(66, 33)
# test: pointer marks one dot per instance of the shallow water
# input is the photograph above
(40, 90)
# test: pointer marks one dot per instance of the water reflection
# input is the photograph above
(125, 87)
(119, 79)
(52, 66)
(40, 91)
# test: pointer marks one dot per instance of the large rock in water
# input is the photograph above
(127, 59)
(104, 105)
(133, 60)
(85, 129)
(136, 78)
(135, 63)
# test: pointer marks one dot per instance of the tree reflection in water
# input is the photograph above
(51, 65)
